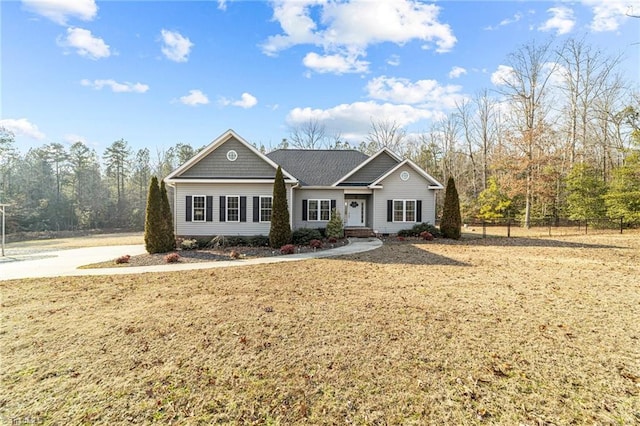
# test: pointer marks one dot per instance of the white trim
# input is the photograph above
(193, 208)
(173, 181)
(226, 208)
(260, 208)
(367, 161)
(404, 210)
(434, 183)
(220, 140)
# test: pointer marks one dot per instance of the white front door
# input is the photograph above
(355, 212)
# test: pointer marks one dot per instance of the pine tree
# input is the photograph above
(451, 223)
(153, 219)
(168, 237)
(280, 232)
(335, 227)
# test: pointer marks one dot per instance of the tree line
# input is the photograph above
(558, 138)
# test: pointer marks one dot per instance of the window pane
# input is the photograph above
(313, 209)
(410, 215)
(233, 209)
(265, 209)
(198, 209)
(398, 211)
(325, 209)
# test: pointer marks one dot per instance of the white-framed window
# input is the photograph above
(233, 208)
(404, 210)
(266, 207)
(319, 210)
(232, 155)
(198, 208)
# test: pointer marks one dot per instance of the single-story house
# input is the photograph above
(226, 189)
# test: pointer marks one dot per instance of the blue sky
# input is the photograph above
(156, 73)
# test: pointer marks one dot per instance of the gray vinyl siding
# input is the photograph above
(216, 164)
(373, 170)
(184, 228)
(416, 188)
(314, 194)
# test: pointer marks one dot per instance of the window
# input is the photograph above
(266, 205)
(319, 210)
(199, 208)
(404, 210)
(233, 208)
(232, 155)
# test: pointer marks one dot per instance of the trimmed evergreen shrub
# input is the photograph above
(259, 241)
(451, 223)
(303, 236)
(335, 227)
(280, 231)
(153, 223)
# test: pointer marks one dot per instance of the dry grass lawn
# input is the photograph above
(496, 331)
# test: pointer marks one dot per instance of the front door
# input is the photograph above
(355, 212)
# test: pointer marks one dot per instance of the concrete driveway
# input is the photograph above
(55, 263)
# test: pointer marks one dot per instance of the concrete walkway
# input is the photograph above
(65, 262)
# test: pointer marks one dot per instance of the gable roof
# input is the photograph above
(362, 165)
(318, 167)
(229, 135)
(434, 184)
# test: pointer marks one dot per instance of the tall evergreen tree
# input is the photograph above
(451, 223)
(280, 232)
(153, 224)
(168, 236)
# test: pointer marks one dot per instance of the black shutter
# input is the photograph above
(256, 209)
(209, 209)
(188, 209)
(304, 209)
(243, 209)
(389, 210)
(418, 210)
(333, 205)
(223, 208)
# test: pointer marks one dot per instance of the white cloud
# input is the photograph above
(116, 87)
(59, 11)
(222, 4)
(72, 138)
(336, 64)
(457, 72)
(562, 20)
(394, 60)
(348, 28)
(22, 126)
(503, 75)
(246, 101)
(194, 98)
(608, 15)
(507, 21)
(357, 117)
(175, 46)
(85, 43)
(422, 92)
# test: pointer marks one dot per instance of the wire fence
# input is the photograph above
(547, 227)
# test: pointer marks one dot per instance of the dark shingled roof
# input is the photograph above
(317, 167)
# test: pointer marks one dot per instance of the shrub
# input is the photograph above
(303, 236)
(189, 244)
(332, 240)
(287, 249)
(400, 238)
(426, 235)
(403, 233)
(335, 227)
(451, 223)
(234, 254)
(172, 258)
(237, 241)
(418, 229)
(280, 231)
(259, 241)
(123, 259)
(315, 244)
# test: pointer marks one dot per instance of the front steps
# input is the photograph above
(359, 232)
